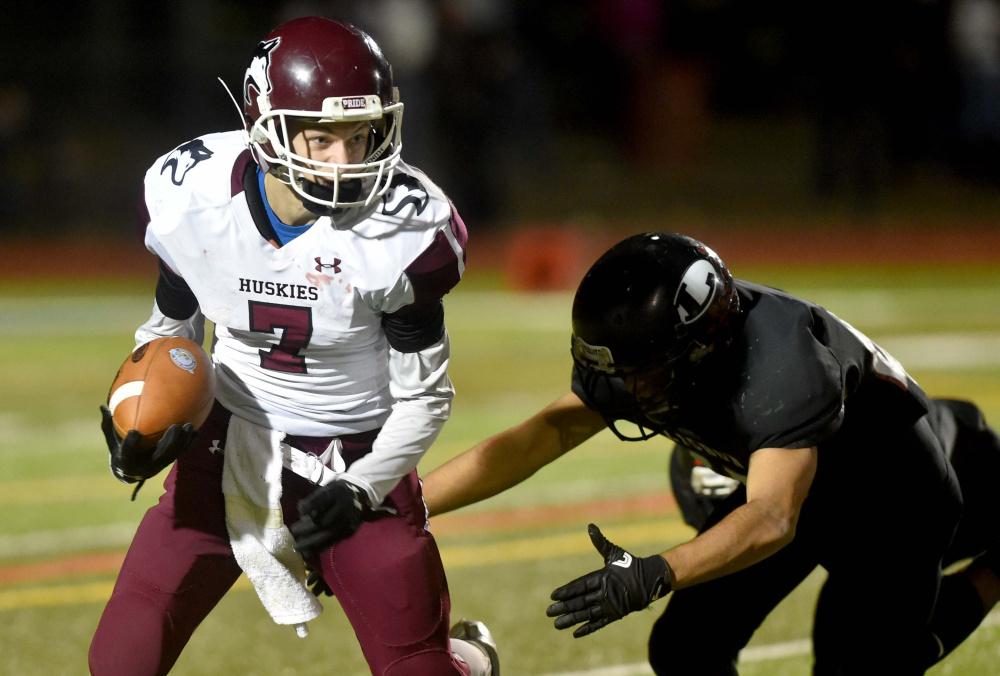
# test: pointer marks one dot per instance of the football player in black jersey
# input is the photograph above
(791, 401)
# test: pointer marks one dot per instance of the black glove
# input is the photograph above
(317, 585)
(130, 463)
(625, 584)
(329, 514)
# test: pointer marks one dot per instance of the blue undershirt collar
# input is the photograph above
(285, 233)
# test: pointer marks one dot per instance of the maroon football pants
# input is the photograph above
(388, 577)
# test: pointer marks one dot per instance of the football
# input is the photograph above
(165, 382)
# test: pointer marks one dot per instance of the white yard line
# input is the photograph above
(774, 651)
(944, 351)
(69, 540)
(24, 316)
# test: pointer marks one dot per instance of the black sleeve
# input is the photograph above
(173, 296)
(792, 386)
(414, 327)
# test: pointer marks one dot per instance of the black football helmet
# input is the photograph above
(325, 71)
(647, 313)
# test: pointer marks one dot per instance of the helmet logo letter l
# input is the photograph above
(696, 291)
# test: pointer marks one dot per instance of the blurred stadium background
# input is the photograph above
(603, 113)
(844, 151)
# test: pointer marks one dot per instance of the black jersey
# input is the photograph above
(793, 376)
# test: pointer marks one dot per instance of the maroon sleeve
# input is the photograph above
(437, 270)
(434, 273)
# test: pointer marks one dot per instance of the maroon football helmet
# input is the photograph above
(324, 71)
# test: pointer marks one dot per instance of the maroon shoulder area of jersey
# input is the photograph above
(239, 167)
(436, 271)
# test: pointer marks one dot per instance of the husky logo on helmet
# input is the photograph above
(184, 158)
(258, 76)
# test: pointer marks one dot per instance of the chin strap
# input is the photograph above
(137, 487)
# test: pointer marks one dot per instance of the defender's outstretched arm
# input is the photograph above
(508, 458)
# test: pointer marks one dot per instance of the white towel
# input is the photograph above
(262, 544)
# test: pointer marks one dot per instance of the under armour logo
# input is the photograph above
(214, 448)
(320, 265)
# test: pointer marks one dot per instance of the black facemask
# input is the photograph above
(350, 191)
(609, 394)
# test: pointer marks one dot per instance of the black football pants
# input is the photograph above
(879, 519)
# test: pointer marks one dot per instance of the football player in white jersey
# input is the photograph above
(321, 258)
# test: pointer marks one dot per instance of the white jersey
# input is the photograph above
(299, 344)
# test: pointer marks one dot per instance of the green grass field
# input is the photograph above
(65, 522)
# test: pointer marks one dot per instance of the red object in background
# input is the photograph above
(546, 258)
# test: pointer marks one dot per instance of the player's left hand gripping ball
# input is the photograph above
(625, 584)
(162, 393)
(131, 461)
(328, 515)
